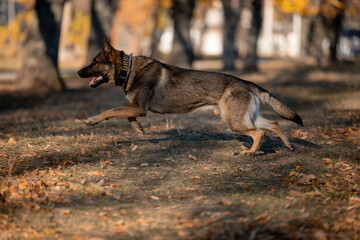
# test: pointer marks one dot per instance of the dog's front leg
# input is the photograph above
(131, 111)
(136, 125)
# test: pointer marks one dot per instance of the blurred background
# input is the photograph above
(44, 42)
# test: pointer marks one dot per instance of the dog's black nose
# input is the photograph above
(80, 72)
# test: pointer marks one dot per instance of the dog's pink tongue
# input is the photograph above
(93, 80)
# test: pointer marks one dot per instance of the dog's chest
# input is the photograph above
(130, 96)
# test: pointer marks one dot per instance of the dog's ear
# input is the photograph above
(106, 44)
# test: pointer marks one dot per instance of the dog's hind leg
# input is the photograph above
(136, 125)
(239, 111)
(257, 135)
(274, 127)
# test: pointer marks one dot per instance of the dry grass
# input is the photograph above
(182, 180)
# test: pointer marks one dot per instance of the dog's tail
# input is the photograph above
(270, 101)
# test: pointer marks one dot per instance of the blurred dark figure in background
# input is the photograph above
(39, 72)
(254, 32)
(182, 53)
(232, 15)
(102, 14)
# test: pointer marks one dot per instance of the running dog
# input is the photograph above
(151, 85)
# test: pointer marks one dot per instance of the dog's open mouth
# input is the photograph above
(95, 81)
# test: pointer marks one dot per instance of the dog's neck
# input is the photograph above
(122, 70)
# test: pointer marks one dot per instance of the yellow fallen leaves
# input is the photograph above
(23, 184)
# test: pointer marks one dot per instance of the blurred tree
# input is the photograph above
(102, 14)
(232, 15)
(182, 53)
(326, 17)
(254, 31)
(160, 7)
(145, 20)
(332, 15)
(157, 29)
(39, 72)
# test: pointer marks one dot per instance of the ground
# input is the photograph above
(185, 178)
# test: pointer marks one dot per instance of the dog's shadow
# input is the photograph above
(270, 144)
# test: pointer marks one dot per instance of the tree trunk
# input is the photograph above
(102, 14)
(254, 31)
(157, 31)
(232, 14)
(39, 72)
(315, 36)
(182, 53)
(333, 28)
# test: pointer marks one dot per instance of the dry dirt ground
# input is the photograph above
(184, 179)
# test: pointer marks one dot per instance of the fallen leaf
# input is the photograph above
(96, 173)
(133, 168)
(101, 182)
(271, 190)
(133, 147)
(306, 179)
(225, 202)
(144, 164)
(78, 238)
(243, 183)
(23, 184)
(115, 185)
(263, 218)
(12, 140)
(103, 214)
(49, 231)
(154, 197)
(293, 173)
(327, 160)
(75, 186)
(158, 176)
(95, 189)
(47, 146)
(300, 167)
(192, 157)
(319, 235)
(183, 233)
(65, 211)
(119, 227)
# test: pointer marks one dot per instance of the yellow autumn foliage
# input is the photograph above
(79, 30)
(137, 13)
(13, 34)
(329, 8)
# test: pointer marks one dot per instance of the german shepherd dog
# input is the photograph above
(151, 85)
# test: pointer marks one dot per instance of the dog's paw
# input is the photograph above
(290, 146)
(251, 154)
(248, 153)
(91, 121)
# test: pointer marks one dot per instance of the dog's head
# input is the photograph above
(103, 67)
